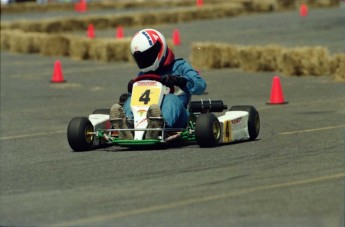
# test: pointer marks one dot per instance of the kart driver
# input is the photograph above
(152, 55)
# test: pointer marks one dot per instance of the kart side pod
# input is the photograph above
(204, 106)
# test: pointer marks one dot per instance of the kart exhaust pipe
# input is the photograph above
(204, 106)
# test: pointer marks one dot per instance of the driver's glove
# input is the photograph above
(130, 86)
(170, 81)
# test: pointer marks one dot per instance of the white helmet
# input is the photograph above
(148, 48)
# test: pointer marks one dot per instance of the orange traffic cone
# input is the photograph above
(303, 10)
(91, 31)
(119, 32)
(199, 3)
(80, 6)
(57, 73)
(277, 96)
(176, 37)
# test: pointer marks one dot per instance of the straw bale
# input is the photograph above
(167, 18)
(229, 55)
(205, 55)
(233, 10)
(249, 56)
(286, 4)
(269, 59)
(55, 45)
(28, 26)
(5, 25)
(70, 24)
(215, 55)
(338, 67)
(120, 49)
(21, 42)
(123, 20)
(339, 74)
(99, 50)
(51, 26)
(144, 19)
(79, 47)
(335, 61)
(5, 37)
(107, 50)
(264, 5)
(101, 22)
(305, 61)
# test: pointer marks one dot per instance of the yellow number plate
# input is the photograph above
(145, 95)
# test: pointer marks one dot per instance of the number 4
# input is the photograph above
(145, 97)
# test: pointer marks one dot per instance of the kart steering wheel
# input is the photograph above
(152, 77)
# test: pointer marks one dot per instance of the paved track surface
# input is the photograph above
(292, 175)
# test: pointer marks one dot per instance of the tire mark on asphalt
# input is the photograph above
(187, 202)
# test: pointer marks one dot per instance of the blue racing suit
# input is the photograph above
(174, 107)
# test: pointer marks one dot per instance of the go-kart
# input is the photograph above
(239, 123)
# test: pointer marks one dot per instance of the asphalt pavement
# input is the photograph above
(292, 175)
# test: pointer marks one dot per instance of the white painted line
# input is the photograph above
(312, 130)
(30, 135)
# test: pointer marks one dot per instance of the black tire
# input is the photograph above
(77, 136)
(207, 130)
(253, 120)
(101, 111)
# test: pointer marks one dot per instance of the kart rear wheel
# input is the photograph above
(101, 111)
(79, 134)
(207, 130)
(253, 120)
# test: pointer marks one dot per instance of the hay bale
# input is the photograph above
(79, 47)
(107, 50)
(70, 24)
(120, 49)
(339, 74)
(55, 45)
(205, 55)
(215, 55)
(28, 26)
(229, 55)
(51, 26)
(337, 67)
(270, 57)
(99, 50)
(305, 61)
(249, 56)
(286, 4)
(20, 42)
(5, 38)
(264, 5)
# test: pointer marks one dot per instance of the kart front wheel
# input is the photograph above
(207, 130)
(253, 120)
(79, 134)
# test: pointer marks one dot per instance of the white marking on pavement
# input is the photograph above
(312, 130)
(30, 135)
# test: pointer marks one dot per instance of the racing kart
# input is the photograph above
(239, 123)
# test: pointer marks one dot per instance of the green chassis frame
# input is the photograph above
(185, 135)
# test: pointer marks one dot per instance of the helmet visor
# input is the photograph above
(146, 58)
